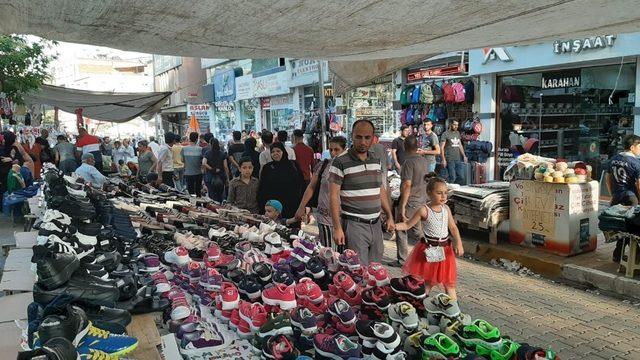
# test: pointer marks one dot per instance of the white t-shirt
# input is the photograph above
(154, 148)
(165, 157)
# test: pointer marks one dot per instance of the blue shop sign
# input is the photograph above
(224, 85)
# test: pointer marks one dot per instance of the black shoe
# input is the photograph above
(55, 349)
(110, 260)
(73, 325)
(110, 319)
(83, 287)
(53, 269)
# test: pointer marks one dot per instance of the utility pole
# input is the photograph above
(323, 122)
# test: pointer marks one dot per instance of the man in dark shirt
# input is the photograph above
(235, 153)
(304, 155)
(397, 147)
(623, 179)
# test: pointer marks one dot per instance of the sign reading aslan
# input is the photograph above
(578, 45)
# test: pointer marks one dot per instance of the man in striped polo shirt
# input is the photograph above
(357, 195)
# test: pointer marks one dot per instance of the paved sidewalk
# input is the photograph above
(575, 323)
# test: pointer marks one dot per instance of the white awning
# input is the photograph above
(364, 31)
(97, 105)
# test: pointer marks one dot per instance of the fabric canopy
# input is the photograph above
(364, 31)
(104, 106)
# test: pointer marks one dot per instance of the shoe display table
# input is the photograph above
(17, 276)
(143, 327)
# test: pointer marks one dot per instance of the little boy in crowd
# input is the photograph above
(273, 209)
(243, 190)
(124, 169)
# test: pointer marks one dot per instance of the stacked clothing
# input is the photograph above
(478, 151)
(481, 205)
(620, 218)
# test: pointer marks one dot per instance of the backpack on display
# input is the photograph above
(469, 91)
(426, 95)
(432, 113)
(511, 94)
(467, 126)
(436, 90)
(403, 96)
(415, 95)
(410, 94)
(449, 95)
(458, 93)
(403, 117)
(417, 116)
(425, 113)
(438, 129)
(409, 120)
(441, 112)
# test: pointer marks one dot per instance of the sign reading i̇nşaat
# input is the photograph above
(561, 79)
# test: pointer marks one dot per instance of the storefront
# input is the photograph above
(224, 87)
(203, 114)
(278, 110)
(247, 108)
(374, 103)
(571, 99)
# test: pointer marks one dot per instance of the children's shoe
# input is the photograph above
(377, 297)
(178, 256)
(278, 325)
(438, 346)
(349, 259)
(378, 274)
(112, 344)
(307, 289)
(342, 310)
(230, 296)
(303, 319)
(480, 332)
(378, 332)
(442, 304)
(343, 281)
(254, 314)
(409, 285)
(336, 347)
(279, 347)
(404, 313)
(280, 295)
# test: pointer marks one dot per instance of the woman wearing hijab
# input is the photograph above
(281, 180)
(217, 171)
(250, 152)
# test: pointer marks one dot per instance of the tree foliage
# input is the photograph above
(23, 65)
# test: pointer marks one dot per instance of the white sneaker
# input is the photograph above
(51, 214)
(86, 239)
(273, 239)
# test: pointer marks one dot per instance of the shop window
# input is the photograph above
(571, 114)
(374, 103)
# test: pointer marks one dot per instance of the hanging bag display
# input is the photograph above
(449, 96)
(415, 95)
(403, 117)
(436, 90)
(469, 92)
(417, 116)
(441, 112)
(458, 93)
(409, 120)
(403, 96)
(426, 95)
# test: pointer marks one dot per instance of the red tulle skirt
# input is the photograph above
(443, 272)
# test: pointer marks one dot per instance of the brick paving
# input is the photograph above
(575, 323)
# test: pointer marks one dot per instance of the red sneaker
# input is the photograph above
(281, 295)
(308, 289)
(234, 320)
(213, 254)
(317, 309)
(254, 314)
(230, 296)
(342, 280)
(378, 274)
(354, 298)
(244, 330)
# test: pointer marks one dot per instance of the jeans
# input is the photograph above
(180, 185)
(456, 172)
(194, 184)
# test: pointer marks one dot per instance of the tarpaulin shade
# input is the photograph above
(104, 106)
(357, 30)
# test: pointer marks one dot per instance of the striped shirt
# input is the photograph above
(359, 184)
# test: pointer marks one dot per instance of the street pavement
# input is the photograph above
(575, 323)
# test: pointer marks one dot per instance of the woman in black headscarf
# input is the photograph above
(281, 180)
(217, 171)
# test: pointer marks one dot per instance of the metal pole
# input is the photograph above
(323, 122)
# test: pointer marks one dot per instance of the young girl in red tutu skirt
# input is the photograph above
(433, 258)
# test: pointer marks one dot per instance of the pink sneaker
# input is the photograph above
(342, 281)
(178, 256)
(281, 295)
(161, 283)
(230, 296)
(213, 252)
(378, 274)
(254, 314)
(308, 289)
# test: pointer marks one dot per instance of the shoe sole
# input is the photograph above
(284, 305)
(61, 277)
(408, 293)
